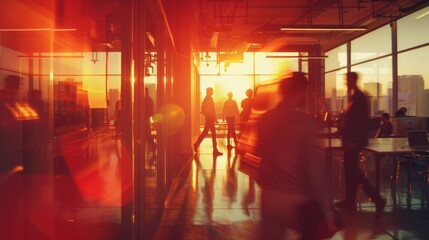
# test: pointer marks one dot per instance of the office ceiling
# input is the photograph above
(221, 25)
(254, 25)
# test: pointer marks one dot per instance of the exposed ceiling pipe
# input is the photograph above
(387, 12)
(158, 5)
(411, 8)
(340, 12)
(232, 13)
(309, 11)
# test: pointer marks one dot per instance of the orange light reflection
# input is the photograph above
(22, 111)
(97, 178)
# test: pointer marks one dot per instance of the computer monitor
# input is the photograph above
(402, 124)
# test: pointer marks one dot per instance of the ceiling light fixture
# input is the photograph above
(322, 28)
(55, 56)
(151, 38)
(37, 29)
(424, 14)
(299, 57)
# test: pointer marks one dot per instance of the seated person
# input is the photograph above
(386, 128)
(401, 112)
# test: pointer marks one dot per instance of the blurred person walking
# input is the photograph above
(293, 179)
(354, 139)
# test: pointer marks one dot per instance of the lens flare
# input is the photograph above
(171, 118)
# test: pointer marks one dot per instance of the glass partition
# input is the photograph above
(59, 150)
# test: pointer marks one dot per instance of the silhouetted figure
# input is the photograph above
(209, 112)
(294, 184)
(385, 129)
(230, 113)
(401, 112)
(246, 105)
(354, 138)
(117, 119)
(323, 109)
(148, 111)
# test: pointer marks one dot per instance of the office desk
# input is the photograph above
(328, 146)
(392, 147)
(378, 147)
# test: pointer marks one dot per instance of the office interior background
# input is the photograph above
(77, 59)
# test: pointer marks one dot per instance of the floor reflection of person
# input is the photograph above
(231, 177)
(249, 197)
(292, 175)
(208, 189)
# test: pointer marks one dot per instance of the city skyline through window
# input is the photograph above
(371, 56)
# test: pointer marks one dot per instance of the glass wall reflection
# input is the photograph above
(59, 165)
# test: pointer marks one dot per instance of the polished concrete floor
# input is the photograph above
(88, 190)
(212, 198)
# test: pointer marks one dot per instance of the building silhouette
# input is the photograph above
(410, 94)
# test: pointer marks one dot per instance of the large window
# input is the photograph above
(371, 56)
(336, 58)
(413, 73)
(376, 81)
(372, 45)
(238, 75)
(413, 81)
(413, 30)
(335, 90)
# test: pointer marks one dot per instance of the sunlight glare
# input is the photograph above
(171, 117)
(237, 77)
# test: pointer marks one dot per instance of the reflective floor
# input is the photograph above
(212, 199)
(88, 194)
